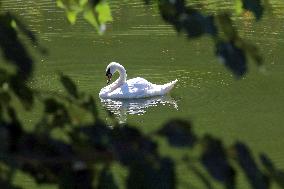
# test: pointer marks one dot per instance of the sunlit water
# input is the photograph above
(122, 107)
(249, 109)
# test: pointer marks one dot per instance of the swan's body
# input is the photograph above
(132, 88)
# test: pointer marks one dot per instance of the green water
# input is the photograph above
(250, 109)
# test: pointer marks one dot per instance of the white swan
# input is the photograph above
(132, 88)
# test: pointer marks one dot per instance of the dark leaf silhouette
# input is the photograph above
(58, 111)
(157, 174)
(22, 91)
(5, 98)
(51, 105)
(215, 161)
(5, 137)
(106, 179)
(6, 184)
(15, 130)
(90, 105)
(139, 153)
(44, 146)
(253, 6)
(167, 174)
(24, 29)
(202, 177)
(70, 162)
(147, 2)
(1, 112)
(13, 49)
(130, 146)
(41, 173)
(95, 2)
(69, 86)
(231, 49)
(233, 57)
(195, 24)
(4, 76)
(20, 26)
(186, 18)
(257, 179)
(76, 176)
(179, 133)
(98, 136)
(276, 174)
(43, 157)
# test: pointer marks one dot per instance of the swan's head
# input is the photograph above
(111, 69)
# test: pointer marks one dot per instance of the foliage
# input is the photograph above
(74, 161)
(230, 48)
(96, 12)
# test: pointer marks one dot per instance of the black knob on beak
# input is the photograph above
(108, 77)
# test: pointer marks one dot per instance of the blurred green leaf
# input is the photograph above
(60, 4)
(72, 16)
(72, 9)
(104, 12)
(83, 2)
(97, 13)
(225, 24)
(238, 6)
(91, 18)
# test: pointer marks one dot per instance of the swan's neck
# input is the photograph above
(122, 75)
(121, 80)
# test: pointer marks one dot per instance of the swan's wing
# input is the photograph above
(138, 87)
(137, 81)
(133, 88)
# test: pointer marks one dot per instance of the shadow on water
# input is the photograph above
(122, 107)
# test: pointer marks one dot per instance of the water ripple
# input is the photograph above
(122, 107)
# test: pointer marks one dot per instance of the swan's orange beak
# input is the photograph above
(109, 75)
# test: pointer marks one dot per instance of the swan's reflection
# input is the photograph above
(122, 107)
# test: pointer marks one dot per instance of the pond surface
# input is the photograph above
(249, 109)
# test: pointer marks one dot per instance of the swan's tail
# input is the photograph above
(168, 86)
